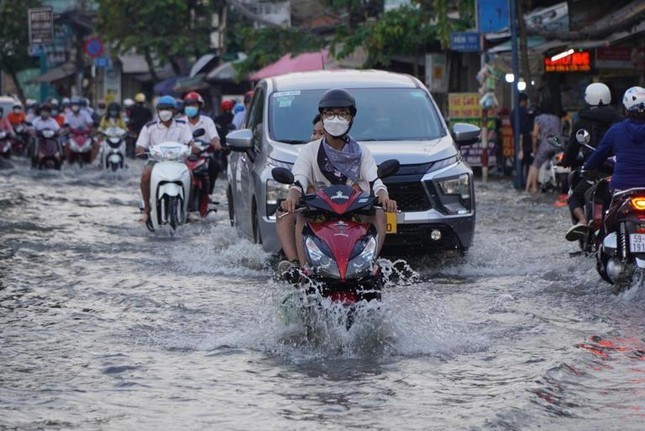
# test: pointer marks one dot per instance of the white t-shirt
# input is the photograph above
(207, 124)
(39, 124)
(155, 133)
(306, 169)
(79, 121)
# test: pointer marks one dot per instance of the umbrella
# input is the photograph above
(300, 63)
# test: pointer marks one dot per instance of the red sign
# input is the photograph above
(576, 62)
(93, 47)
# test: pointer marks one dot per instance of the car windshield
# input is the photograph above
(383, 114)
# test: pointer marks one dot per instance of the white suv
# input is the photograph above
(396, 118)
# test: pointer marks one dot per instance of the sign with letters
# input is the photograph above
(41, 26)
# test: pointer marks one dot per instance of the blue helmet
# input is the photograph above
(166, 102)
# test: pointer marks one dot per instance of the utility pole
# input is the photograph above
(516, 95)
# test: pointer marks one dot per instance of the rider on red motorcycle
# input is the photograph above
(193, 103)
(79, 121)
(334, 159)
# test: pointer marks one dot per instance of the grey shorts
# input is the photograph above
(544, 152)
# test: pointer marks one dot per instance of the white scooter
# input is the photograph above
(113, 148)
(169, 185)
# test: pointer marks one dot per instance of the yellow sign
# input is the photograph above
(390, 222)
(464, 105)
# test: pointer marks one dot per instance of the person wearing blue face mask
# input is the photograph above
(193, 103)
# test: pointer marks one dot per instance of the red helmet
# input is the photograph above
(193, 97)
(226, 105)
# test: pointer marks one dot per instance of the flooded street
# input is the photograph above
(106, 326)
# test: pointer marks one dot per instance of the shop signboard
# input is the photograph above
(465, 108)
(41, 26)
(579, 61)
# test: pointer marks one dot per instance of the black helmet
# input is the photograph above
(114, 106)
(337, 98)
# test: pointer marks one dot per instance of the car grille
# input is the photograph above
(409, 196)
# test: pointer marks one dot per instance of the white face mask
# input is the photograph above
(165, 115)
(336, 126)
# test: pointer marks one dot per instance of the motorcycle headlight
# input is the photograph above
(456, 186)
(48, 133)
(2, 134)
(361, 265)
(322, 264)
(275, 191)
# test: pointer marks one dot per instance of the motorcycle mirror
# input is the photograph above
(388, 168)
(282, 175)
(583, 137)
(199, 132)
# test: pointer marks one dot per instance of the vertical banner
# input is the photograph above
(436, 73)
(112, 85)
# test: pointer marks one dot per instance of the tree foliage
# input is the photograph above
(14, 38)
(163, 30)
(266, 45)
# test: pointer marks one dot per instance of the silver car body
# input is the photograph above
(425, 208)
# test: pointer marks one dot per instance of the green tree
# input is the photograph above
(14, 39)
(164, 31)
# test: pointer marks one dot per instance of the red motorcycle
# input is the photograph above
(200, 186)
(621, 256)
(5, 144)
(341, 249)
(79, 146)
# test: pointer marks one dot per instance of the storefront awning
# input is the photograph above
(186, 84)
(56, 73)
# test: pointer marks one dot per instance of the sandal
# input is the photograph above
(148, 222)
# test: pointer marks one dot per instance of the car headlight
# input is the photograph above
(322, 264)
(361, 265)
(456, 186)
(275, 191)
(444, 163)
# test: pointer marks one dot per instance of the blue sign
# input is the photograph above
(492, 15)
(467, 41)
(102, 62)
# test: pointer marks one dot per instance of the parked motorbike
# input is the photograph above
(552, 176)
(113, 148)
(80, 146)
(5, 144)
(198, 164)
(340, 249)
(169, 185)
(621, 257)
(48, 153)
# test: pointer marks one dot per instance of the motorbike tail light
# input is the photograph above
(638, 203)
(559, 157)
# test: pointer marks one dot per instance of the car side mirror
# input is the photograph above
(465, 134)
(240, 140)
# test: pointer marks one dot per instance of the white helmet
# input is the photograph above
(597, 94)
(634, 99)
(128, 102)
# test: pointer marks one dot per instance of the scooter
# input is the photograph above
(21, 141)
(621, 257)
(80, 146)
(47, 152)
(552, 176)
(341, 250)
(169, 185)
(5, 144)
(113, 148)
(198, 164)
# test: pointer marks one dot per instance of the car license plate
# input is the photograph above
(390, 222)
(637, 242)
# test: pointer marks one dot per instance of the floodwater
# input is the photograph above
(106, 326)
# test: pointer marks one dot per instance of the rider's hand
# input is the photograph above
(215, 144)
(139, 151)
(385, 201)
(289, 204)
